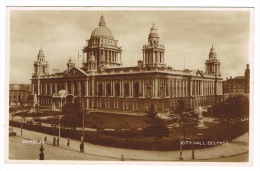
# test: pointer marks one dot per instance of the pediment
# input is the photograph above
(200, 73)
(75, 72)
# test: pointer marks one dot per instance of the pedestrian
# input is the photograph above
(122, 158)
(54, 141)
(81, 147)
(68, 142)
(45, 139)
(58, 141)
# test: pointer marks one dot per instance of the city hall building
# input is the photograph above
(102, 84)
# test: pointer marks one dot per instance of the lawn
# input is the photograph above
(122, 131)
(115, 121)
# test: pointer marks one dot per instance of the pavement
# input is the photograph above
(238, 146)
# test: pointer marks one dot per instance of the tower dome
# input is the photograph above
(102, 30)
(212, 53)
(41, 54)
(153, 32)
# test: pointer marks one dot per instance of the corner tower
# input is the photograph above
(41, 67)
(103, 46)
(153, 52)
(212, 65)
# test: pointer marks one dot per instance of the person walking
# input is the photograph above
(68, 142)
(54, 141)
(58, 141)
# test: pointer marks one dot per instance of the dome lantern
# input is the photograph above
(102, 21)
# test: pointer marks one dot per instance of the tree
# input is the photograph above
(156, 127)
(73, 115)
(97, 123)
(234, 109)
(238, 106)
(183, 117)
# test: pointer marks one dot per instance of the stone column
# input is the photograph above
(191, 86)
(113, 88)
(165, 88)
(120, 91)
(176, 89)
(143, 88)
(72, 87)
(105, 87)
(132, 85)
(86, 88)
(51, 88)
(156, 87)
(153, 95)
(79, 89)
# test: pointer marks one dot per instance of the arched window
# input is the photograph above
(108, 89)
(48, 89)
(148, 91)
(126, 89)
(100, 89)
(117, 89)
(136, 90)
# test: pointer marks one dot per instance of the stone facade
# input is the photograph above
(237, 85)
(19, 92)
(105, 86)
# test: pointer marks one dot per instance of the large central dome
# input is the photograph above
(102, 30)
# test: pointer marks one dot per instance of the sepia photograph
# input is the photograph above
(129, 84)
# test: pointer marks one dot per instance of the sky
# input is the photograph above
(186, 34)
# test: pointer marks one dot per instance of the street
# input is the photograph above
(20, 150)
(25, 151)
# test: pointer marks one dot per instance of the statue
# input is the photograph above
(200, 118)
(34, 102)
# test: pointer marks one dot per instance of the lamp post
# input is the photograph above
(181, 158)
(59, 126)
(195, 120)
(83, 128)
(22, 122)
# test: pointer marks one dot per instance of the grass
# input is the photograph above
(116, 121)
(127, 135)
(136, 139)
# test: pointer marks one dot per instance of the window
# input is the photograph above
(126, 89)
(117, 89)
(108, 89)
(148, 91)
(136, 90)
(100, 89)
